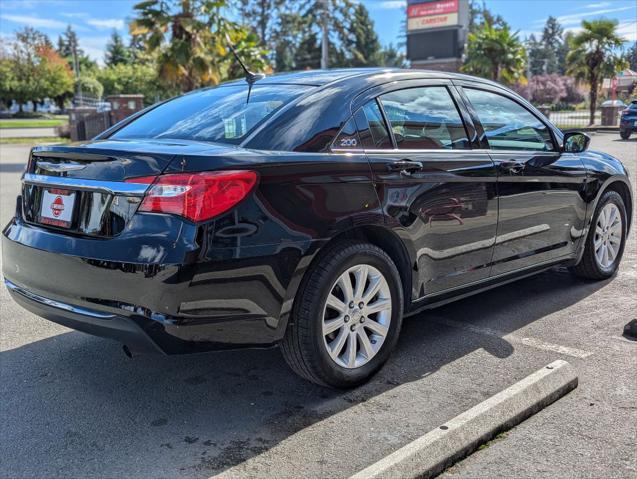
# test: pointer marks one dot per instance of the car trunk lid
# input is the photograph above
(83, 188)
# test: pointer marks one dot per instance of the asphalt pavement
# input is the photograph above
(73, 405)
(37, 132)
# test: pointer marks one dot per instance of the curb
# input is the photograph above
(437, 450)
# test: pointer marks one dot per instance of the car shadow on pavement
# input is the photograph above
(74, 405)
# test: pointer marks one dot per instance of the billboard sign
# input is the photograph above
(437, 14)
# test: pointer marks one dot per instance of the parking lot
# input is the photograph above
(73, 405)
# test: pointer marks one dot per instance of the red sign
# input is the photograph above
(57, 206)
(440, 7)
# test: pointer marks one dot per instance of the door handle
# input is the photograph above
(404, 166)
(512, 166)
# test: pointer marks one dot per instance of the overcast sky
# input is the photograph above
(94, 20)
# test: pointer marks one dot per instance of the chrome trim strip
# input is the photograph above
(55, 304)
(60, 167)
(111, 187)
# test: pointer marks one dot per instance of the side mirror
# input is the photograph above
(576, 142)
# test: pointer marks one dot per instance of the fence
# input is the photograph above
(91, 102)
(566, 120)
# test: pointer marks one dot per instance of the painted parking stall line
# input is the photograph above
(514, 339)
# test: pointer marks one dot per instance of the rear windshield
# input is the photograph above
(220, 114)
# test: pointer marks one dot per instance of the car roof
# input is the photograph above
(323, 77)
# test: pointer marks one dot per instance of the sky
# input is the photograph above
(94, 20)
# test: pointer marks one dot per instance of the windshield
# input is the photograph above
(216, 114)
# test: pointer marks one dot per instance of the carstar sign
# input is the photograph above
(441, 13)
(433, 8)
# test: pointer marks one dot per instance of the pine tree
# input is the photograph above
(116, 51)
(366, 50)
(552, 41)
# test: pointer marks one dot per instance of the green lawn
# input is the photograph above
(32, 123)
(33, 140)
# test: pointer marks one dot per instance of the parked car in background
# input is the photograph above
(628, 120)
(311, 210)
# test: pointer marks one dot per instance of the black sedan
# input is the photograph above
(309, 210)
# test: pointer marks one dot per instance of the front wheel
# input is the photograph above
(606, 239)
(625, 135)
(346, 317)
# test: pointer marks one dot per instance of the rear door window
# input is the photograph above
(507, 124)
(424, 119)
(372, 129)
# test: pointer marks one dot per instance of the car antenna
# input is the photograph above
(251, 77)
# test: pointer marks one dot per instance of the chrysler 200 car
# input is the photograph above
(308, 210)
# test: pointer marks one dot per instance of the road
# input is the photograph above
(37, 132)
(72, 405)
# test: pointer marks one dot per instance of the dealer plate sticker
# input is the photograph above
(57, 207)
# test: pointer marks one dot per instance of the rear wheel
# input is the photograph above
(606, 239)
(625, 135)
(347, 317)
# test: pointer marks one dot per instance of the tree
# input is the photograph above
(190, 40)
(593, 54)
(288, 35)
(55, 76)
(68, 43)
(7, 82)
(308, 53)
(260, 14)
(126, 78)
(479, 15)
(38, 72)
(631, 57)
(391, 57)
(552, 41)
(536, 56)
(494, 52)
(546, 89)
(366, 51)
(116, 51)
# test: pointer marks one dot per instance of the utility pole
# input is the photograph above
(325, 39)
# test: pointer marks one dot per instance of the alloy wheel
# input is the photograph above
(356, 316)
(608, 235)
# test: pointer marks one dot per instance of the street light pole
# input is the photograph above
(325, 39)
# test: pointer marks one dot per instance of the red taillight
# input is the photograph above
(196, 196)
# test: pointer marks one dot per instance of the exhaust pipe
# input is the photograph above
(127, 351)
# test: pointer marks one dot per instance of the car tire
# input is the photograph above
(625, 135)
(604, 233)
(311, 351)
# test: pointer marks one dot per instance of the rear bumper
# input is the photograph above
(222, 300)
(90, 321)
(628, 126)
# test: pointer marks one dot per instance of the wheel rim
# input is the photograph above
(608, 235)
(356, 316)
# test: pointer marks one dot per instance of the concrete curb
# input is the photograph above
(437, 450)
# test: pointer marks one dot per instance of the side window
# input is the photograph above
(507, 124)
(347, 139)
(371, 127)
(424, 119)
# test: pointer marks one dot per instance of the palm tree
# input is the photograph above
(189, 39)
(494, 52)
(592, 55)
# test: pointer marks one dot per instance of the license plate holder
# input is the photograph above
(56, 208)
